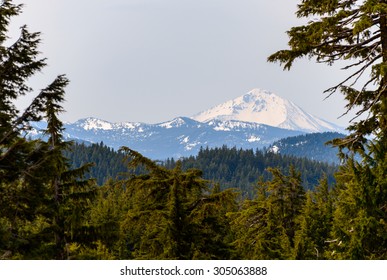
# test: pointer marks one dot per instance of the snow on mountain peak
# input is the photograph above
(94, 123)
(176, 122)
(261, 106)
(255, 106)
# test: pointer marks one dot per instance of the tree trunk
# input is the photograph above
(382, 118)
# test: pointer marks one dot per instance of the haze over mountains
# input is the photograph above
(254, 120)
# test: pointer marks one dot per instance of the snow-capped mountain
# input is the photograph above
(264, 107)
(252, 121)
(176, 138)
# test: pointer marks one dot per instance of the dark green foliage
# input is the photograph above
(267, 224)
(173, 214)
(40, 198)
(315, 224)
(107, 162)
(17, 64)
(56, 220)
(237, 168)
(21, 161)
(359, 224)
(232, 168)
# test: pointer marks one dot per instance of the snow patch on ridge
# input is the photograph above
(177, 122)
(254, 138)
(93, 123)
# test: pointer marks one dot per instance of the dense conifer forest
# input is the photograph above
(52, 210)
(108, 163)
(230, 167)
(241, 169)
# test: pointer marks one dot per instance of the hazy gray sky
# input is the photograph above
(153, 60)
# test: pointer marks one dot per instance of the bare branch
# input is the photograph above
(360, 71)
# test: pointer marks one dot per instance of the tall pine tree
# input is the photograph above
(69, 197)
(21, 161)
(266, 227)
(41, 202)
(353, 31)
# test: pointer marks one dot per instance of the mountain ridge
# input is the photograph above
(183, 136)
(177, 138)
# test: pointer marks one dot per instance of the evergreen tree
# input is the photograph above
(356, 32)
(107, 214)
(18, 63)
(68, 195)
(266, 226)
(173, 214)
(40, 206)
(286, 200)
(359, 220)
(22, 162)
(109, 164)
(315, 224)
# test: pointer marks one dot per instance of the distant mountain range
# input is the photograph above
(252, 121)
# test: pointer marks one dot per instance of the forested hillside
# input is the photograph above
(230, 167)
(241, 169)
(108, 163)
(312, 146)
